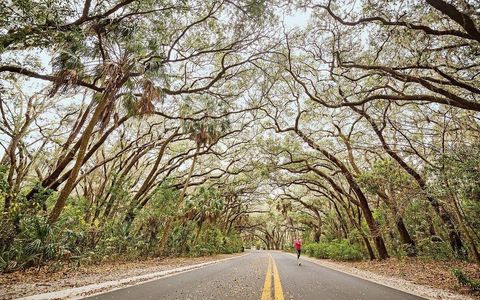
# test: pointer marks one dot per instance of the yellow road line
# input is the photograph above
(276, 283)
(277, 286)
(267, 286)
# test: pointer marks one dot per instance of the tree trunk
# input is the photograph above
(471, 241)
(316, 236)
(405, 237)
(365, 239)
(70, 184)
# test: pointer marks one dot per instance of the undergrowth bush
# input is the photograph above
(464, 280)
(338, 250)
(434, 248)
(72, 242)
(212, 241)
(39, 242)
(28, 240)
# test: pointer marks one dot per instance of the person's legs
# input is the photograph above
(298, 253)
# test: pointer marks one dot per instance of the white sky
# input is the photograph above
(298, 19)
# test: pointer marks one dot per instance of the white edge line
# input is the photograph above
(404, 283)
(79, 292)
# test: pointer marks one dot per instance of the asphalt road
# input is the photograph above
(260, 275)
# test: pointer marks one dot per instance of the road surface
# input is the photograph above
(260, 275)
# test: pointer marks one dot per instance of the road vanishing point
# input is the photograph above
(263, 275)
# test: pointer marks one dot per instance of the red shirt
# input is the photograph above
(298, 245)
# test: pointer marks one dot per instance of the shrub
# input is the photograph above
(39, 242)
(338, 250)
(465, 281)
(187, 239)
(434, 248)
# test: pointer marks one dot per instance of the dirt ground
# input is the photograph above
(436, 274)
(43, 280)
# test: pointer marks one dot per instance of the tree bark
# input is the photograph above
(69, 185)
(115, 81)
(405, 236)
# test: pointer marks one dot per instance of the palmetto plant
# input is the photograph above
(38, 243)
(204, 132)
(205, 206)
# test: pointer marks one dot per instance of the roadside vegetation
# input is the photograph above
(139, 129)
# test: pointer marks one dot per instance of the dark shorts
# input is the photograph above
(299, 251)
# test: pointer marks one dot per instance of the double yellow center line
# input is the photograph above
(277, 286)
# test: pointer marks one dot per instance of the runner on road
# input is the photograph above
(298, 246)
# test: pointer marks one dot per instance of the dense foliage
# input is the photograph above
(339, 250)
